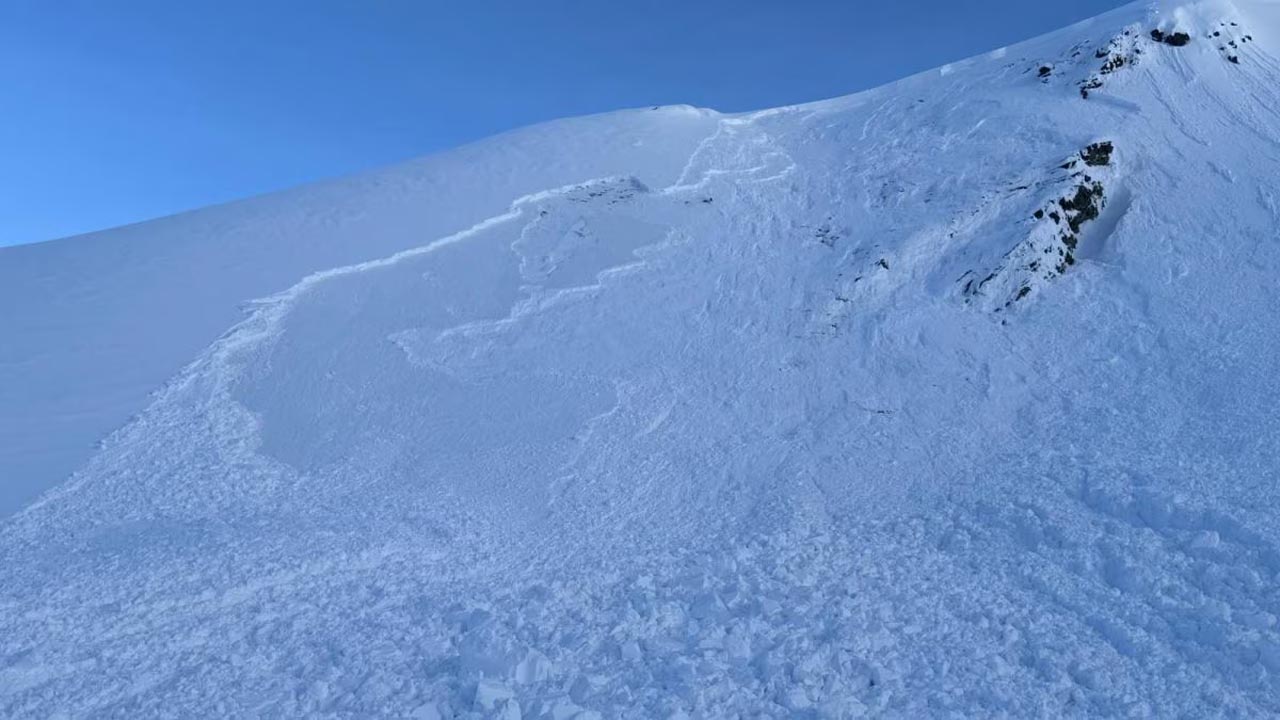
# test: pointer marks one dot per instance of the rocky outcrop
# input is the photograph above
(1051, 245)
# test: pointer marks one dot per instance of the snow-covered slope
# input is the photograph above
(94, 324)
(954, 397)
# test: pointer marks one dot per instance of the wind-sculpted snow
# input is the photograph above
(780, 435)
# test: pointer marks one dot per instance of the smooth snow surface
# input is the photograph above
(957, 397)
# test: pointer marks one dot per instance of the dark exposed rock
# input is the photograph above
(1115, 62)
(1083, 206)
(1098, 153)
(1176, 39)
(1045, 71)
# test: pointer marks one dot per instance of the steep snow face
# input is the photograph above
(93, 325)
(954, 397)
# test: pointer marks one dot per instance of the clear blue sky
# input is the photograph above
(115, 112)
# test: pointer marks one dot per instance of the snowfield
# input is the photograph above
(953, 398)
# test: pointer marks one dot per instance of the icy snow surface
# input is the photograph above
(957, 397)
